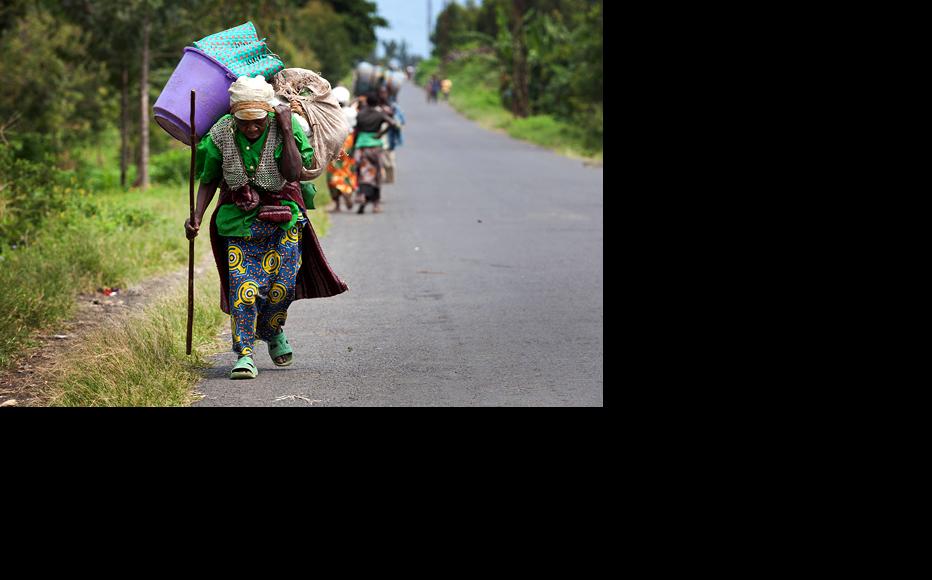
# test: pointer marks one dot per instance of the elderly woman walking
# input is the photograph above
(265, 248)
(341, 173)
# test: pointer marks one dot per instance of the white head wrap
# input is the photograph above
(342, 95)
(349, 113)
(251, 98)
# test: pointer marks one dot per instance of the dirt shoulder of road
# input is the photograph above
(28, 380)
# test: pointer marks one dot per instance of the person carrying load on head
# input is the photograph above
(371, 124)
(341, 173)
(264, 246)
(390, 107)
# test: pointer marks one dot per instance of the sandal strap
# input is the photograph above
(245, 363)
(279, 345)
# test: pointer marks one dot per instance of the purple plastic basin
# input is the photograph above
(210, 79)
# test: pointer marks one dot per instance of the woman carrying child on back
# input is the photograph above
(371, 124)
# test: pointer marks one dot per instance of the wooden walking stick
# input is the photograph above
(191, 242)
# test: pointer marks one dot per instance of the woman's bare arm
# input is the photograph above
(205, 194)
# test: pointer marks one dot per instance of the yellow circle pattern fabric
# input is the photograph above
(235, 255)
(277, 293)
(272, 261)
(263, 270)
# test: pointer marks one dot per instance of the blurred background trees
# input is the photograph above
(546, 54)
(82, 74)
(78, 73)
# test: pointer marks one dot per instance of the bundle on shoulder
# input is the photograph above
(311, 97)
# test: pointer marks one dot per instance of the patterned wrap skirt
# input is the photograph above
(262, 268)
(369, 166)
(341, 174)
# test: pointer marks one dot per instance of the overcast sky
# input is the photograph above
(408, 20)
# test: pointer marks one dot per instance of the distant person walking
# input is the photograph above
(433, 87)
(390, 108)
(341, 174)
(446, 86)
(368, 151)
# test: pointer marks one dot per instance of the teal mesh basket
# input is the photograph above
(228, 40)
(257, 61)
(242, 51)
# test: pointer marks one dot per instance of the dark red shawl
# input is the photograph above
(315, 278)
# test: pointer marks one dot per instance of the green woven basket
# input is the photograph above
(242, 51)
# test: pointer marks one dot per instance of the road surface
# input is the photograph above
(479, 285)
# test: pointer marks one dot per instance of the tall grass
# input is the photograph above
(113, 240)
(108, 239)
(72, 229)
(141, 361)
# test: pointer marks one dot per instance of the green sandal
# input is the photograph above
(244, 369)
(279, 346)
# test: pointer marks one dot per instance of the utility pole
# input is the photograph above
(430, 24)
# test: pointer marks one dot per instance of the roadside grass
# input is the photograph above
(319, 217)
(140, 361)
(549, 132)
(475, 95)
(95, 234)
(114, 239)
(110, 239)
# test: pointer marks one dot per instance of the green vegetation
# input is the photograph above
(476, 97)
(61, 239)
(91, 241)
(141, 362)
(112, 239)
(85, 65)
(475, 88)
(532, 68)
(92, 192)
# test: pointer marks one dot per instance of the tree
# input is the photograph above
(50, 98)
(391, 50)
(77, 66)
(360, 19)
(452, 22)
(122, 40)
(403, 54)
(520, 77)
(114, 45)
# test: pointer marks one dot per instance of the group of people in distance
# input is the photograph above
(369, 161)
(436, 87)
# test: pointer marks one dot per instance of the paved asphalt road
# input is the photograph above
(479, 285)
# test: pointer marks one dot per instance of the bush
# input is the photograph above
(425, 68)
(590, 121)
(89, 241)
(29, 191)
(171, 167)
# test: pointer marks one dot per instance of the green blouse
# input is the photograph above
(365, 139)
(232, 221)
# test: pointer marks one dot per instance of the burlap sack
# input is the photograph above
(309, 95)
